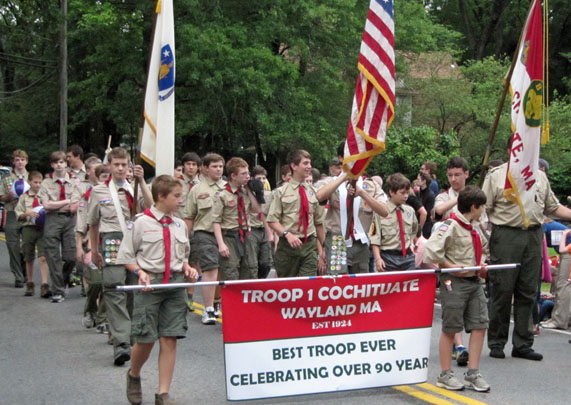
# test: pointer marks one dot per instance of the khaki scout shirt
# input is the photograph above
(385, 231)
(226, 213)
(144, 246)
(80, 174)
(445, 197)
(333, 216)
(25, 203)
(11, 205)
(256, 220)
(201, 201)
(454, 243)
(50, 189)
(286, 205)
(501, 211)
(187, 185)
(79, 195)
(101, 210)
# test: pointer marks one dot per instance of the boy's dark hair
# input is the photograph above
(177, 163)
(99, 170)
(190, 157)
(257, 170)
(495, 163)
(426, 177)
(211, 158)
(56, 156)
(35, 175)
(76, 150)
(295, 156)
(118, 153)
(431, 166)
(234, 165)
(90, 154)
(163, 185)
(341, 149)
(471, 195)
(396, 182)
(457, 163)
(285, 170)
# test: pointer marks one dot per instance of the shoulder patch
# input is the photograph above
(443, 227)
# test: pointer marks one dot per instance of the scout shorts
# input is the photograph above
(204, 250)
(464, 307)
(32, 238)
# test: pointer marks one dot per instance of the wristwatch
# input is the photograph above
(284, 234)
(136, 272)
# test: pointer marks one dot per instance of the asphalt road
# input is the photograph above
(47, 357)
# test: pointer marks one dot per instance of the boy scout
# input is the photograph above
(351, 254)
(231, 224)
(198, 214)
(457, 173)
(458, 243)
(32, 236)
(55, 195)
(295, 215)
(261, 235)
(156, 248)
(512, 242)
(392, 236)
(92, 276)
(109, 209)
(13, 228)
(75, 165)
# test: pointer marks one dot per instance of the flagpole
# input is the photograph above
(507, 81)
(140, 134)
(324, 277)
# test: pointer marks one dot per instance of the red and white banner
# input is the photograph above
(320, 335)
(526, 87)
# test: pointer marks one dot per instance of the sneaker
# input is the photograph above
(476, 382)
(454, 352)
(497, 353)
(121, 354)
(102, 328)
(18, 284)
(87, 321)
(462, 357)
(448, 381)
(57, 298)
(208, 317)
(134, 392)
(45, 291)
(29, 289)
(163, 399)
(217, 309)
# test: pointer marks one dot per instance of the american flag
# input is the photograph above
(374, 100)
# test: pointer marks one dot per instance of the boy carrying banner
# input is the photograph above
(155, 249)
(458, 243)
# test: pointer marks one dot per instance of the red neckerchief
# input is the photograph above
(36, 202)
(476, 241)
(164, 221)
(128, 195)
(242, 217)
(303, 212)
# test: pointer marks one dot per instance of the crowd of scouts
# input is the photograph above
(99, 224)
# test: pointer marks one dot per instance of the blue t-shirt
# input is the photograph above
(554, 226)
(434, 187)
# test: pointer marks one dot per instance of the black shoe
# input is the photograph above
(529, 355)
(18, 284)
(122, 354)
(497, 353)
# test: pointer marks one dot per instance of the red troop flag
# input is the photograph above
(374, 100)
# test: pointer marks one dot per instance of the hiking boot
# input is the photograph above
(476, 382)
(163, 399)
(462, 356)
(45, 291)
(87, 321)
(122, 354)
(29, 289)
(217, 309)
(134, 392)
(208, 317)
(448, 381)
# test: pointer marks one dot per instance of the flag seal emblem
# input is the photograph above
(166, 73)
(532, 103)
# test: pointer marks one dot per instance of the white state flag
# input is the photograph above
(157, 142)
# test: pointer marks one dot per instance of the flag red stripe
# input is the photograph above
(375, 73)
(381, 26)
(379, 51)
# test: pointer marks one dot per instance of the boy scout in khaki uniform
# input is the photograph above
(198, 214)
(55, 195)
(512, 242)
(13, 228)
(32, 236)
(231, 224)
(92, 315)
(156, 248)
(352, 254)
(392, 236)
(457, 243)
(457, 173)
(75, 166)
(296, 216)
(109, 209)
(261, 235)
